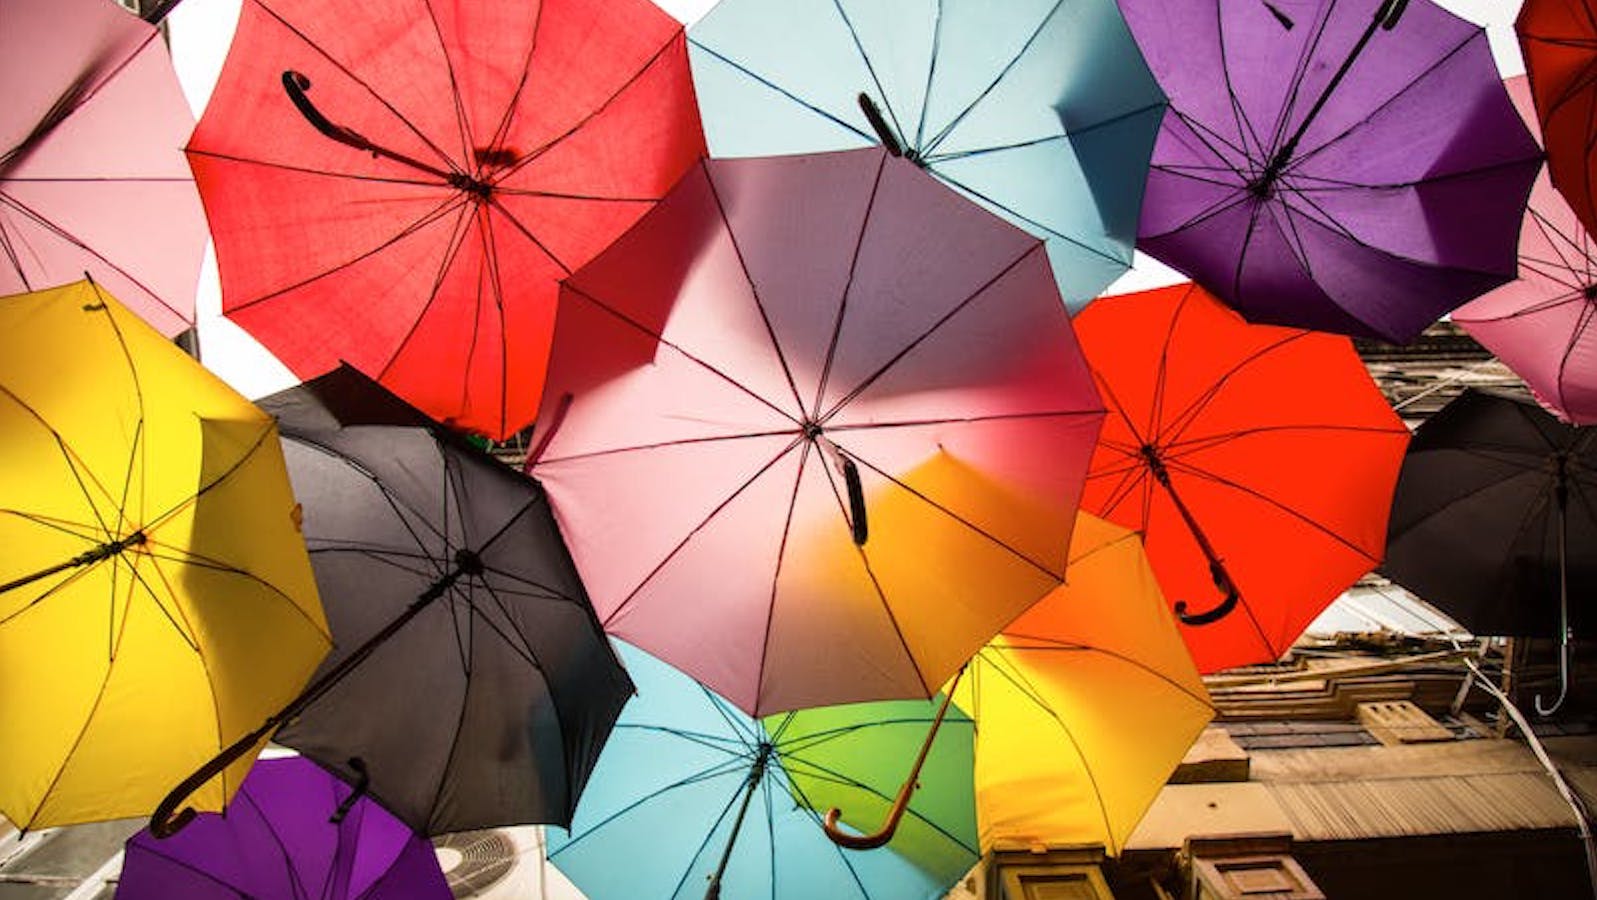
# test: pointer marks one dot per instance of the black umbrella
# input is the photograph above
(1494, 521)
(471, 685)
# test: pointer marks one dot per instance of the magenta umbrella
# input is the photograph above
(817, 428)
(92, 174)
(1540, 324)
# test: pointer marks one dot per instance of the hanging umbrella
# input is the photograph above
(277, 841)
(1084, 705)
(1539, 324)
(402, 186)
(1493, 521)
(693, 798)
(91, 177)
(1256, 462)
(1043, 112)
(155, 597)
(471, 686)
(826, 337)
(1558, 39)
(1350, 166)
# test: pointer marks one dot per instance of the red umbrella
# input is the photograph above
(1559, 41)
(401, 185)
(824, 427)
(91, 177)
(1258, 463)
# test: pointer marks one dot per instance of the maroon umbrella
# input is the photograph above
(1350, 166)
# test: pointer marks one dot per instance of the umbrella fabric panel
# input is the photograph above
(573, 120)
(1017, 108)
(721, 340)
(1315, 243)
(1291, 492)
(1474, 526)
(667, 789)
(91, 179)
(510, 661)
(1556, 39)
(215, 612)
(1538, 323)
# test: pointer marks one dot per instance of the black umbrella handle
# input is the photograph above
(1222, 580)
(362, 784)
(295, 84)
(167, 820)
(1217, 571)
(873, 115)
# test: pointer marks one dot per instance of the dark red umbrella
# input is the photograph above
(1559, 41)
(401, 184)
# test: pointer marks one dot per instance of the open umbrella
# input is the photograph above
(1350, 166)
(402, 185)
(1558, 39)
(155, 596)
(277, 840)
(1494, 523)
(1539, 325)
(1085, 704)
(472, 686)
(1044, 111)
(818, 429)
(1256, 462)
(692, 798)
(92, 178)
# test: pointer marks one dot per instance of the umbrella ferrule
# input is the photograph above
(464, 182)
(467, 563)
(1156, 466)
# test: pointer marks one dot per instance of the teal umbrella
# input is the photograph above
(693, 798)
(1041, 110)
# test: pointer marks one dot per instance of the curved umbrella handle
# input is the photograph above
(1566, 634)
(361, 785)
(295, 84)
(901, 804)
(1222, 580)
(1563, 679)
(1389, 12)
(163, 822)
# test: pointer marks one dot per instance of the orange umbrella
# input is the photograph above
(1257, 462)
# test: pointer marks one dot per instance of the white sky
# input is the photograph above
(202, 29)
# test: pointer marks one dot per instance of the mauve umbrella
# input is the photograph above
(278, 840)
(1350, 166)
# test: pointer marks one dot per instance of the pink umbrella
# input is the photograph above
(1539, 324)
(92, 174)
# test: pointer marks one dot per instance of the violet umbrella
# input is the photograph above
(92, 175)
(1539, 325)
(1351, 166)
(280, 839)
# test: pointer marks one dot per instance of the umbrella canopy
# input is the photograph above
(277, 841)
(92, 179)
(690, 792)
(1558, 39)
(471, 679)
(155, 596)
(1318, 170)
(1042, 110)
(1540, 324)
(835, 434)
(1474, 528)
(1085, 704)
(402, 187)
(1256, 462)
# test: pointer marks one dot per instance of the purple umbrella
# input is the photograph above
(1351, 166)
(277, 840)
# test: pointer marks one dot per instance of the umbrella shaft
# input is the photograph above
(104, 551)
(713, 892)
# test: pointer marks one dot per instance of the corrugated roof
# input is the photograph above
(1442, 804)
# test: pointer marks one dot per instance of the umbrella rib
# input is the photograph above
(1177, 425)
(679, 442)
(1180, 449)
(189, 558)
(301, 890)
(875, 79)
(663, 341)
(457, 241)
(710, 833)
(394, 502)
(503, 128)
(750, 732)
(833, 776)
(942, 320)
(490, 252)
(1236, 197)
(868, 138)
(99, 179)
(754, 291)
(428, 218)
(931, 72)
(963, 420)
(738, 749)
(1030, 222)
(442, 778)
(1113, 654)
(807, 807)
(776, 575)
(323, 173)
(1046, 139)
(67, 236)
(1300, 73)
(724, 767)
(1376, 110)
(1583, 322)
(348, 73)
(73, 98)
(8, 244)
(1132, 477)
(156, 847)
(959, 117)
(1161, 380)
(528, 157)
(454, 84)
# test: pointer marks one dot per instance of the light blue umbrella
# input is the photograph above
(1042, 110)
(692, 797)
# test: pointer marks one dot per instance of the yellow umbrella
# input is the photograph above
(1085, 704)
(156, 600)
